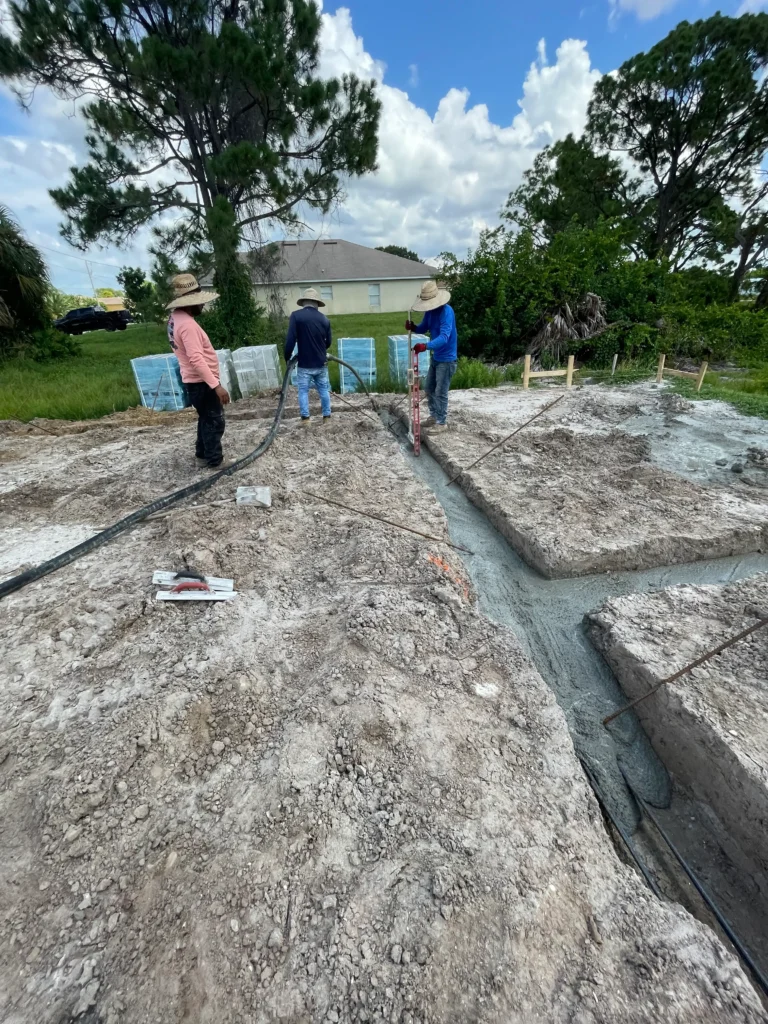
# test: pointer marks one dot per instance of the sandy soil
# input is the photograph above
(710, 727)
(574, 494)
(346, 796)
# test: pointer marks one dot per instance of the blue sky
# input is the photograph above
(470, 92)
(489, 49)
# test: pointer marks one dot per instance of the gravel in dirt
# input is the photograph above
(344, 796)
(710, 727)
(575, 495)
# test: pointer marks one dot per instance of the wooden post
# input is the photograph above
(527, 370)
(569, 374)
(700, 378)
(615, 361)
(660, 369)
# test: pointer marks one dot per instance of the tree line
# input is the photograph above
(660, 209)
(207, 121)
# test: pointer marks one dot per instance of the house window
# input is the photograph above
(374, 296)
(326, 292)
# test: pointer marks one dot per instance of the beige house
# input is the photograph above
(350, 278)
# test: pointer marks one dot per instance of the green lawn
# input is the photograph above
(100, 381)
(748, 392)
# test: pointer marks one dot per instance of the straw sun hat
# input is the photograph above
(310, 295)
(430, 297)
(187, 292)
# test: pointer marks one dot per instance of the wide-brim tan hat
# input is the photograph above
(310, 295)
(430, 297)
(187, 292)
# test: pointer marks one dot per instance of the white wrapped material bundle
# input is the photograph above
(257, 368)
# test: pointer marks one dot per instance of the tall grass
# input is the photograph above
(471, 373)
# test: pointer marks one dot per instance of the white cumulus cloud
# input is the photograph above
(442, 177)
(752, 7)
(644, 9)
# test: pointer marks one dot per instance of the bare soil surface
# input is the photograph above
(710, 727)
(303, 805)
(582, 491)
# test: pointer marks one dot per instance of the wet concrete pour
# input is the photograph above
(547, 617)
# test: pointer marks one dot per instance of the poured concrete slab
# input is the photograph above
(711, 726)
(575, 495)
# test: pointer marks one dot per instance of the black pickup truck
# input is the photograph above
(92, 318)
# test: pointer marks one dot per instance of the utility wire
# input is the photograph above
(83, 259)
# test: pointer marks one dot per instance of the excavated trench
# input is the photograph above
(547, 615)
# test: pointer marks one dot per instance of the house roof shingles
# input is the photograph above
(329, 259)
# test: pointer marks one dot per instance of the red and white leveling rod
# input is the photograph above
(414, 396)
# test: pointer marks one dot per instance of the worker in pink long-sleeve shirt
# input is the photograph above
(199, 366)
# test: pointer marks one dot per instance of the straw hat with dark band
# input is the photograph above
(187, 292)
(310, 295)
(430, 297)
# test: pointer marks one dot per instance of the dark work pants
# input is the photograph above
(210, 422)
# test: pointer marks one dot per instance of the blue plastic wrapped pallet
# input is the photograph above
(158, 379)
(399, 361)
(360, 353)
(227, 376)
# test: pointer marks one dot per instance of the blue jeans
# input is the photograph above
(319, 380)
(436, 386)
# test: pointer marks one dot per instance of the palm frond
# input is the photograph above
(566, 324)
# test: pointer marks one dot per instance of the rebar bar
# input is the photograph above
(683, 671)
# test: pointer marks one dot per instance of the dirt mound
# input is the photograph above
(346, 796)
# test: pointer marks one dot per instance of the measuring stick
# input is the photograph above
(414, 412)
(504, 440)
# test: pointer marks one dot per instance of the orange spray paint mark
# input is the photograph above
(449, 572)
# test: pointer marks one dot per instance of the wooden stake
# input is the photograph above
(569, 372)
(615, 361)
(527, 369)
(504, 440)
(700, 378)
(660, 369)
(381, 519)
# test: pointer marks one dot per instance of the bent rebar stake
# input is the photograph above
(381, 519)
(683, 671)
(504, 440)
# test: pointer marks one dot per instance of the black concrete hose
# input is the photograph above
(98, 540)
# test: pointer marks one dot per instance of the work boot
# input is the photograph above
(430, 421)
(305, 421)
(224, 464)
(201, 460)
(326, 420)
(438, 428)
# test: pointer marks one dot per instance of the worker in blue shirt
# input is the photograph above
(440, 322)
(309, 331)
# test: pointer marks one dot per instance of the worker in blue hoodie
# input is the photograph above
(440, 323)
